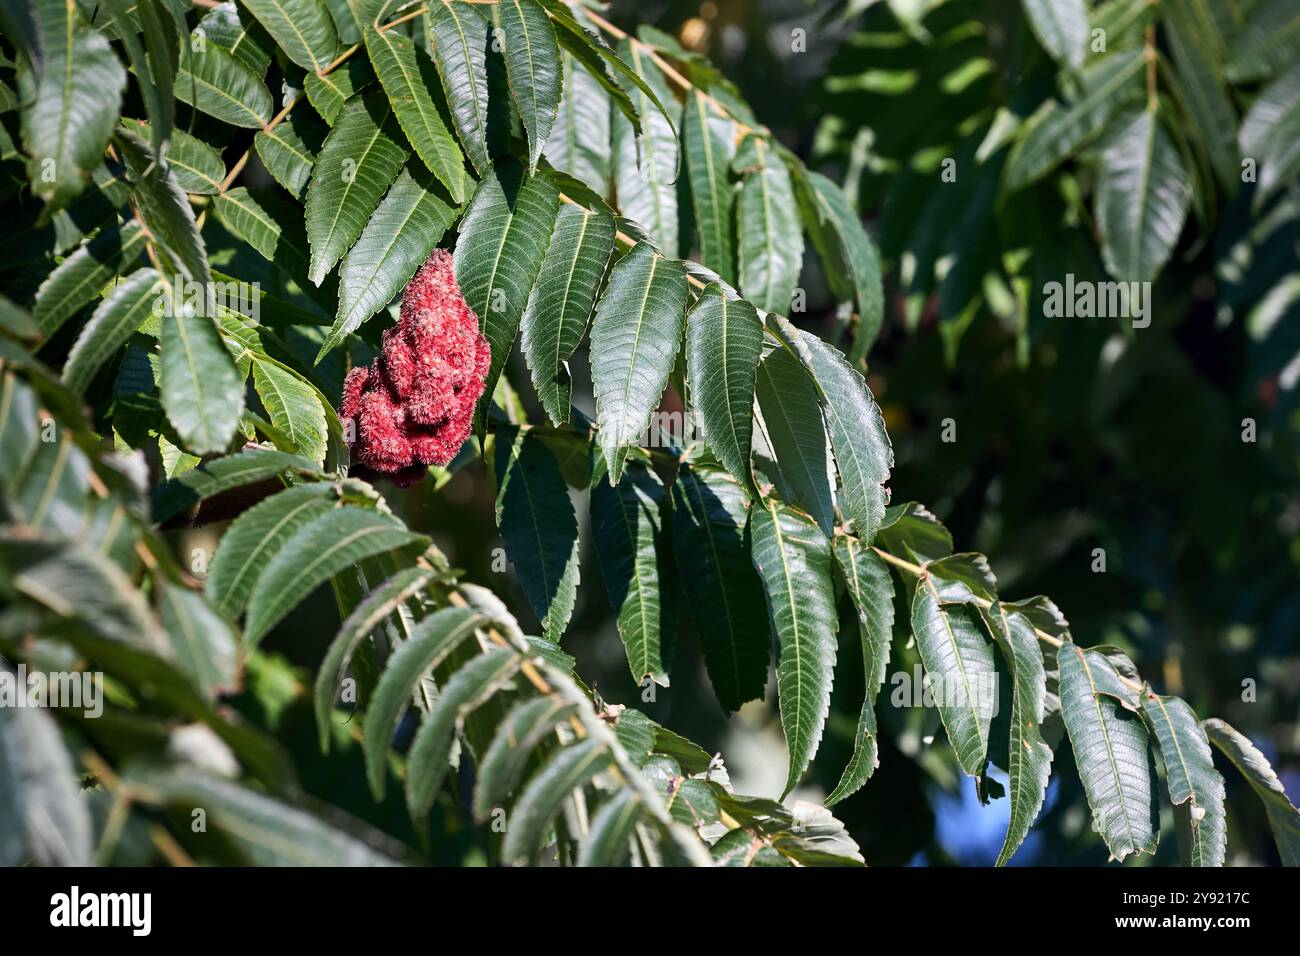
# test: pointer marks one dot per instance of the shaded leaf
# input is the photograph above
(628, 525)
(538, 526)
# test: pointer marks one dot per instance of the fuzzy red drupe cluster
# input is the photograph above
(412, 407)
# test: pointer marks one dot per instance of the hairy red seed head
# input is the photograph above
(414, 405)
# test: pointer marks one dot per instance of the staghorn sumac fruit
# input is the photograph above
(412, 407)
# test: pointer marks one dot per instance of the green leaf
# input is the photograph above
(1143, 192)
(165, 211)
(524, 729)
(435, 637)
(289, 151)
(871, 590)
(214, 81)
(570, 769)
(114, 321)
(154, 62)
(1110, 750)
(794, 430)
(503, 240)
(71, 101)
(372, 611)
(771, 242)
(538, 526)
(1270, 133)
(1198, 56)
(429, 757)
(1268, 41)
(294, 409)
(722, 589)
(87, 592)
(562, 299)
(710, 146)
(81, 276)
(846, 251)
(203, 642)
(407, 75)
(233, 27)
(585, 44)
(256, 536)
(327, 94)
(50, 488)
(361, 157)
(1283, 817)
(196, 166)
(320, 549)
(222, 474)
(1195, 787)
(1057, 131)
(302, 28)
(580, 142)
(645, 167)
(911, 530)
(958, 660)
(634, 343)
(724, 339)
(627, 523)
(202, 391)
(47, 821)
(1029, 757)
(793, 559)
(266, 831)
(533, 68)
(460, 45)
(274, 229)
(863, 455)
(611, 829)
(399, 237)
(344, 15)
(1061, 27)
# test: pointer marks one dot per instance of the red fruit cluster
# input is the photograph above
(412, 407)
